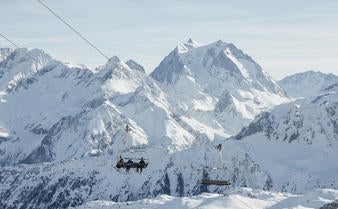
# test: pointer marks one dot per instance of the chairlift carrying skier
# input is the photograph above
(120, 162)
(217, 182)
(141, 165)
(129, 163)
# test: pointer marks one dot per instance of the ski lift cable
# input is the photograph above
(9, 41)
(72, 28)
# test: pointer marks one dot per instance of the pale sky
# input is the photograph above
(283, 36)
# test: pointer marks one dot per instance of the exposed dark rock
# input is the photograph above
(169, 69)
(224, 101)
(332, 205)
(135, 66)
(262, 122)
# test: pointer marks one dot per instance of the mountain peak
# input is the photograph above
(185, 47)
(113, 62)
(219, 42)
(191, 43)
(218, 61)
(135, 66)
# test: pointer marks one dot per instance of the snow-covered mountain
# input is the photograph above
(310, 120)
(60, 112)
(307, 84)
(216, 81)
(76, 112)
(85, 102)
(62, 128)
(16, 65)
(301, 140)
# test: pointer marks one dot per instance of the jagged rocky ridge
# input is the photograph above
(298, 137)
(311, 120)
(332, 205)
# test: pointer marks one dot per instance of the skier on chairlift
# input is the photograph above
(140, 166)
(120, 162)
(219, 147)
(129, 164)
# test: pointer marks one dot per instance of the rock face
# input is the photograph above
(135, 66)
(4, 52)
(332, 205)
(62, 128)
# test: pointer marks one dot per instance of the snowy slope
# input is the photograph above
(253, 160)
(307, 84)
(216, 81)
(33, 106)
(73, 182)
(241, 198)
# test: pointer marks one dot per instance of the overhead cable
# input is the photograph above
(9, 40)
(72, 28)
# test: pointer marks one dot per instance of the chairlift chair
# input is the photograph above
(209, 182)
(216, 182)
(132, 156)
(130, 161)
